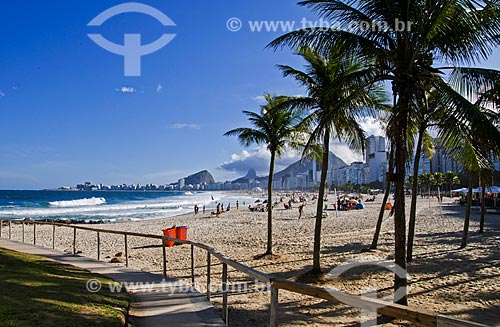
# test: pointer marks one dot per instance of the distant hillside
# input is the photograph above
(300, 168)
(252, 174)
(200, 178)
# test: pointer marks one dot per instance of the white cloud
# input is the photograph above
(342, 151)
(2, 94)
(258, 158)
(159, 88)
(182, 126)
(372, 126)
(259, 99)
(126, 89)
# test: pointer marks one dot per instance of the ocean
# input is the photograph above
(109, 206)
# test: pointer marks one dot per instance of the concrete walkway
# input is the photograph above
(158, 303)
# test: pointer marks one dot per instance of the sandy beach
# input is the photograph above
(463, 283)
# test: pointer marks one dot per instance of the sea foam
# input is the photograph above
(78, 203)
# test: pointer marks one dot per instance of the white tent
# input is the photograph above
(492, 189)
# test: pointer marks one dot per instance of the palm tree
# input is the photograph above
(465, 144)
(337, 97)
(451, 179)
(456, 31)
(482, 85)
(424, 141)
(274, 127)
(439, 181)
(387, 192)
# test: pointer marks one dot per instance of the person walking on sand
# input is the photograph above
(203, 209)
(237, 204)
(301, 209)
(195, 209)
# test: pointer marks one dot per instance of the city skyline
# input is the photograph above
(69, 113)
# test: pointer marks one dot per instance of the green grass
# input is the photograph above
(38, 292)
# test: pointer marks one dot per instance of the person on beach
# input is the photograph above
(218, 209)
(237, 204)
(301, 209)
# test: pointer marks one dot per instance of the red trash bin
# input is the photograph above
(181, 232)
(169, 232)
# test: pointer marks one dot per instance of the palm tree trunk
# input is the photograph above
(401, 152)
(429, 194)
(319, 209)
(483, 208)
(388, 184)
(380, 219)
(465, 233)
(414, 190)
(270, 206)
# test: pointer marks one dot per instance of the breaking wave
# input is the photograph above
(78, 203)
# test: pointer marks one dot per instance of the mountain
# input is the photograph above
(252, 174)
(307, 165)
(200, 178)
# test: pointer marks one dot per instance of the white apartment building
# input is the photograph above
(376, 158)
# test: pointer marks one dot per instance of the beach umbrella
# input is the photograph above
(257, 201)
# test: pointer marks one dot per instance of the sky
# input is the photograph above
(69, 113)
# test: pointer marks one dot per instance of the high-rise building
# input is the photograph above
(376, 158)
(356, 173)
(182, 183)
(442, 162)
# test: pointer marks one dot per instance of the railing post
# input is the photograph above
(10, 230)
(225, 308)
(164, 259)
(98, 246)
(126, 251)
(74, 240)
(53, 236)
(192, 265)
(208, 275)
(273, 307)
(34, 233)
(23, 231)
